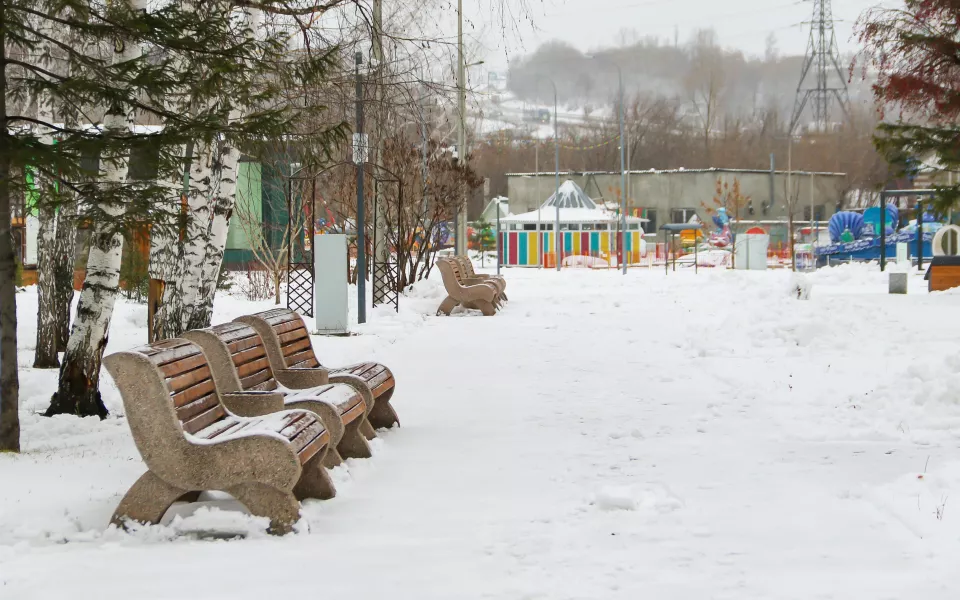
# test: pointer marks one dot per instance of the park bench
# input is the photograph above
(290, 351)
(469, 274)
(480, 296)
(238, 357)
(191, 443)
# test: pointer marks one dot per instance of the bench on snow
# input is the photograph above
(291, 354)
(191, 443)
(477, 294)
(238, 356)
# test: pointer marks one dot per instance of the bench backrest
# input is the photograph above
(466, 267)
(186, 375)
(450, 273)
(249, 356)
(294, 338)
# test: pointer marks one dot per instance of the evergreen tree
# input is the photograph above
(915, 54)
(186, 65)
(483, 239)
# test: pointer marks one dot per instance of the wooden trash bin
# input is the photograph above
(943, 273)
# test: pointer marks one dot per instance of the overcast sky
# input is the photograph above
(590, 24)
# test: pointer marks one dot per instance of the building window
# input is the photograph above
(529, 226)
(652, 216)
(546, 227)
(682, 215)
(587, 226)
(633, 226)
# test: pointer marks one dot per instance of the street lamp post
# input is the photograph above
(360, 151)
(498, 235)
(623, 170)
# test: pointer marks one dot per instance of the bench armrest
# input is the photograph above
(298, 379)
(253, 403)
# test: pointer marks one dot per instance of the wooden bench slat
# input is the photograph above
(183, 365)
(296, 347)
(351, 414)
(245, 343)
(260, 378)
(254, 366)
(278, 316)
(288, 326)
(204, 419)
(191, 393)
(246, 356)
(192, 409)
(309, 443)
(294, 336)
(179, 382)
(183, 350)
(304, 359)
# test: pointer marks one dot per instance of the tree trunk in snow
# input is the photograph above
(165, 261)
(9, 378)
(223, 201)
(198, 230)
(45, 356)
(65, 253)
(78, 391)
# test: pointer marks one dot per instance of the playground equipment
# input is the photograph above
(586, 230)
(860, 237)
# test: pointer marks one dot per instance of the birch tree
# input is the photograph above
(179, 41)
(45, 355)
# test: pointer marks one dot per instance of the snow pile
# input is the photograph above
(657, 500)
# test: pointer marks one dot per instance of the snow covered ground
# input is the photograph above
(648, 436)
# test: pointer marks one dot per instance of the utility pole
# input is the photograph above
(381, 249)
(536, 160)
(461, 235)
(359, 157)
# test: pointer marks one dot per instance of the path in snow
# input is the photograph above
(667, 437)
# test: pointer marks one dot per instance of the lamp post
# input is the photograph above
(556, 172)
(623, 171)
(462, 66)
(359, 157)
(498, 235)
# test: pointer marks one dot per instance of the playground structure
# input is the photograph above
(589, 234)
(875, 233)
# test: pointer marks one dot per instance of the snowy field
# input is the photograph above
(650, 436)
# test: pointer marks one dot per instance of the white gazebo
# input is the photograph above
(586, 229)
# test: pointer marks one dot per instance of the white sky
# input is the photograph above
(590, 24)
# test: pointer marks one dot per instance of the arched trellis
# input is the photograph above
(301, 276)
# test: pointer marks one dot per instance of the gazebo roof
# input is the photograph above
(571, 196)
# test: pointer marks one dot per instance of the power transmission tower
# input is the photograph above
(822, 60)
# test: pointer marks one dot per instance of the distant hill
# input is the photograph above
(746, 86)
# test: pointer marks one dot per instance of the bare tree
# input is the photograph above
(705, 83)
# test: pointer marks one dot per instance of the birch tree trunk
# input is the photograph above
(165, 259)
(45, 354)
(78, 391)
(65, 252)
(198, 230)
(223, 201)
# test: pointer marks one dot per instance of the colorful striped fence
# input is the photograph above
(521, 248)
